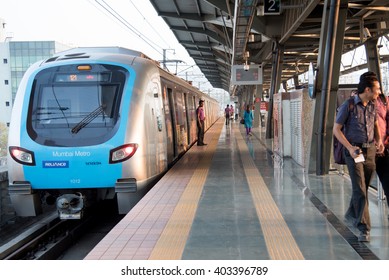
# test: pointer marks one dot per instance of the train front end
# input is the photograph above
(66, 142)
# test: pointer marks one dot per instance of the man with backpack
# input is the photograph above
(361, 140)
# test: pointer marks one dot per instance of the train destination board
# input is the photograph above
(247, 74)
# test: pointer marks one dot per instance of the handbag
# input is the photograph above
(338, 152)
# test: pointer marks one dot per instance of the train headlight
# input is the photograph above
(122, 153)
(22, 156)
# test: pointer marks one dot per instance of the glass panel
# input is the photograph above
(70, 105)
(74, 108)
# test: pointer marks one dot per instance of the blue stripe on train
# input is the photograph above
(86, 167)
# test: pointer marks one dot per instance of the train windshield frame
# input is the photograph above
(71, 107)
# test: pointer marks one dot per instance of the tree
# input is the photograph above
(3, 139)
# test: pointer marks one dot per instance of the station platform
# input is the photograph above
(234, 200)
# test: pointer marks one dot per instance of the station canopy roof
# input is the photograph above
(220, 33)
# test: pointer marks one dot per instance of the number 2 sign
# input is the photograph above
(272, 7)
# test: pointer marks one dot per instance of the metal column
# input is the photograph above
(278, 57)
(331, 48)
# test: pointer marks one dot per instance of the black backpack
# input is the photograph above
(337, 146)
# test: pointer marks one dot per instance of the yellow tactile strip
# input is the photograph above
(137, 233)
(171, 243)
(158, 227)
(280, 242)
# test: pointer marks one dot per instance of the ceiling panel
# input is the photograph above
(216, 38)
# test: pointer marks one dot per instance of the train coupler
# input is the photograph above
(70, 206)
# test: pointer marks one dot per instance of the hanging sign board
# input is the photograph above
(272, 7)
(251, 75)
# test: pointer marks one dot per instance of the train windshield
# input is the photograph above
(76, 106)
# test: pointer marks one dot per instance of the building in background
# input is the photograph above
(15, 59)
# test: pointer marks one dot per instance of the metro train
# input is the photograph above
(91, 124)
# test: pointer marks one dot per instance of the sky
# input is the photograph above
(82, 23)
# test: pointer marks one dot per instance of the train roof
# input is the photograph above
(118, 50)
(84, 52)
(87, 52)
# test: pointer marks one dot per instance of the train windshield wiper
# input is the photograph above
(90, 117)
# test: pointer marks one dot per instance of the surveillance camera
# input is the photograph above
(246, 67)
(366, 33)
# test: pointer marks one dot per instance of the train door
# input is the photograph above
(206, 113)
(159, 142)
(169, 124)
(192, 118)
(188, 118)
(172, 117)
(181, 125)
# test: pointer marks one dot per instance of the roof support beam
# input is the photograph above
(206, 32)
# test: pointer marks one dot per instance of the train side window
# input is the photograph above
(155, 92)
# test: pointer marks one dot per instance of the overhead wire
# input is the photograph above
(108, 8)
(112, 12)
(150, 25)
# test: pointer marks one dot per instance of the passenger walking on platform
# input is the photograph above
(200, 123)
(382, 159)
(248, 120)
(232, 112)
(227, 114)
(361, 130)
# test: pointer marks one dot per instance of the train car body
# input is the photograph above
(97, 123)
